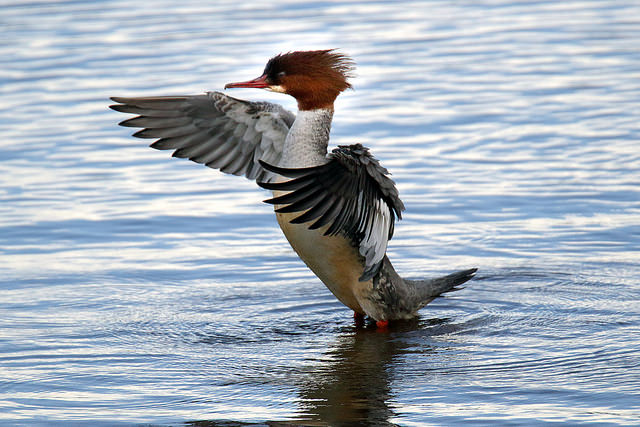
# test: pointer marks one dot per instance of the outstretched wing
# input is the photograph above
(351, 193)
(214, 129)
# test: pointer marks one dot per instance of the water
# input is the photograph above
(135, 288)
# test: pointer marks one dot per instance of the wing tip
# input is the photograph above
(117, 107)
(267, 186)
(129, 123)
(270, 167)
(121, 99)
(143, 134)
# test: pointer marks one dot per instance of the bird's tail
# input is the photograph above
(429, 289)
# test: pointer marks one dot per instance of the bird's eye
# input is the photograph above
(281, 74)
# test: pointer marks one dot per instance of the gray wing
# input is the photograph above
(351, 193)
(213, 129)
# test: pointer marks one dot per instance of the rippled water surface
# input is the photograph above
(135, 288)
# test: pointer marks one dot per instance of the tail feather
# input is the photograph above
(429, 289)
(450, 282)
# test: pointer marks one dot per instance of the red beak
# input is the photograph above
(260, 82)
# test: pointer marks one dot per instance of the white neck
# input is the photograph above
(308, 138)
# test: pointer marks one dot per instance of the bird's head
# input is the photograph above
(314, 78)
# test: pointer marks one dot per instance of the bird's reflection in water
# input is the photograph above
(352, 384)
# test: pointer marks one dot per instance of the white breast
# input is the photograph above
(307, 140)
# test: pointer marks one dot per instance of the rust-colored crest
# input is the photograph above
(315, 78)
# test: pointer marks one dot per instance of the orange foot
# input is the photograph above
(382, 324)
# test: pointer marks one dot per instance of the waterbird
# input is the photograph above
(337, 209)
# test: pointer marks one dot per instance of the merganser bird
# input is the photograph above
(337, 210)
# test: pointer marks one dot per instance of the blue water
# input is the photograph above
(140, 289)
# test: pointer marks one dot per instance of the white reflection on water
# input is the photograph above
(136, 288)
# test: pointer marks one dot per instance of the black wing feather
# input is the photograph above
(345, 194)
